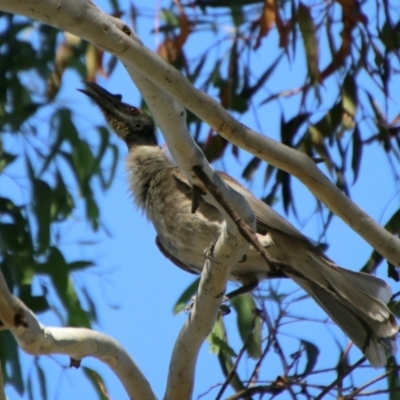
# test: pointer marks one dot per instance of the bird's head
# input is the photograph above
(128, 122)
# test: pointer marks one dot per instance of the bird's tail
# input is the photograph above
(355, 301)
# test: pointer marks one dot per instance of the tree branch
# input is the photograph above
(77, 343)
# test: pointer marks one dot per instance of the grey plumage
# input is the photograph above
(355, 301)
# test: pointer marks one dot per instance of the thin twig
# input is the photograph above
(278, 348)
(340, 378)
(371, 382)
(236, 364)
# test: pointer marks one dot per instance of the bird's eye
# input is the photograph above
(138, 126)
(133, 111)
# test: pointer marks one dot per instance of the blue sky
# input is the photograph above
(135, 287)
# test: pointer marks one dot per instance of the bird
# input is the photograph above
(355, 301)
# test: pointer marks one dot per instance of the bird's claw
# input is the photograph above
(209, 251)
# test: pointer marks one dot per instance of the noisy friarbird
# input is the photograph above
(354, 300)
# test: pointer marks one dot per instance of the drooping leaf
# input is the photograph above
(312, 353)
(42, 207)
(357, 153)
(248, 323)
(6, 158)
(57, 269)
(62, 201)
(290, 128)
(220, 346)
(267, 20)
(97, 382)
(390, 36)
(251, 168)
(37, 304)
(248, 91)
(349, 101)
(42, 380)
(308, 31)
(104, 146)
(185, 297)
(393, 226)
(10, 362)
(393, 378)
(214, 147)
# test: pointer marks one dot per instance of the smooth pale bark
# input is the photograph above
(77, 343)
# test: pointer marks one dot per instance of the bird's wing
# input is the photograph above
(173, 259)
(266, 218)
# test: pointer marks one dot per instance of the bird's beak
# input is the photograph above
(127, 121)
(104, 99)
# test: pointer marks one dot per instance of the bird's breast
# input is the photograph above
(167, 203)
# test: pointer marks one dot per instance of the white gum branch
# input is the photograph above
(77, 343)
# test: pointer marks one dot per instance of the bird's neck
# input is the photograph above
(144, 164)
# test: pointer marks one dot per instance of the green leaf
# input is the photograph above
(104, 146)
(248, 324)
(393, 226)
(42, 379)
(92, 304)
(78, 265)
(308, 31)
(36, 303)
(92, 212)
(357, 153)
(393, 379)
(170, 18)
(62, 201)
(97, 382)
(390, 36)
(349, 96)
(251, 168)
(312, 353)
(10, 362)
(220, 346)
(186, 296)
(284, 179)
(57, 268)
(42, 194)
(290, 128)
(249, 91)
(5, 158)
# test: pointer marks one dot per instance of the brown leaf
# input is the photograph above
(94, 62)
(64, 55)
(308, 31)
(171, 49)
(267, 20)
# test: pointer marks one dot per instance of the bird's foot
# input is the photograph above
(209, 251)
(196, 196)
(188, 308)
(244, 258)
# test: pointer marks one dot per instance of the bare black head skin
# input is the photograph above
(128, 122)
